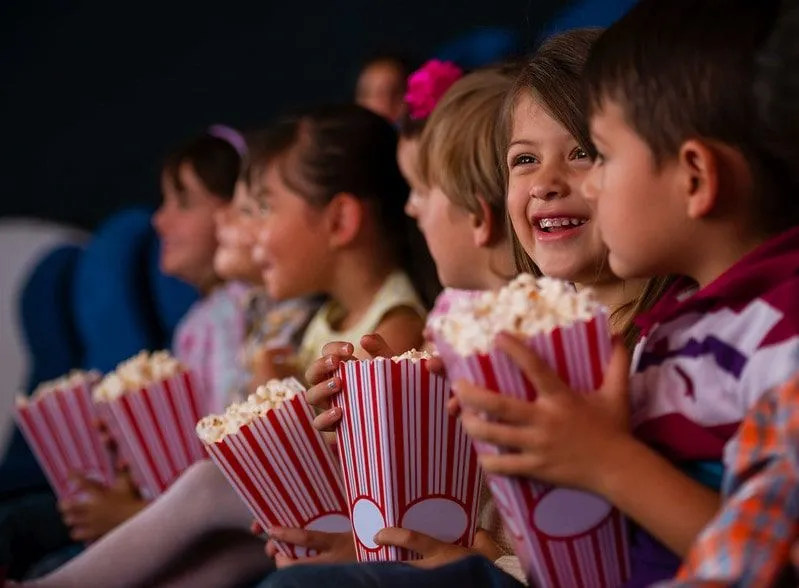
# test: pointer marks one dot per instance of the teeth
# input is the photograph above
(548, 223)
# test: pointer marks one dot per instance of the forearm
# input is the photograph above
(200, 502)
(656, 495)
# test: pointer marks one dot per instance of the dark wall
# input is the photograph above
(94, 92)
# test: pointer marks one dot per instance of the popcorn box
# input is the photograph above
(285, 472)
(407, 462)
(154, 430)
(564, 538)
(61, 430)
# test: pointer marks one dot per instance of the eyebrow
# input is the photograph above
(525, 142)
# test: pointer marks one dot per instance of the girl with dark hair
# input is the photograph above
(333, 223)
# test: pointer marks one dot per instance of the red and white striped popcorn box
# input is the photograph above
(61, 430)
(285, 472)
(564, 538)
(407, 462)
(154, 430)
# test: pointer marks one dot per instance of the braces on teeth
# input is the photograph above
(547, 223)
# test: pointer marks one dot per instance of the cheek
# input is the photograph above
(517, 208)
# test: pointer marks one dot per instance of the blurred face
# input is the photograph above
(185, 224)
(381, 89)
(550, 216)
(638, 209)
(235, 231)
(291, 244)
(445, 226)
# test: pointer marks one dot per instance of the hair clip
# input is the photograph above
(231, 136)
(428, 84)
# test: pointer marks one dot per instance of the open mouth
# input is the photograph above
(559, 224)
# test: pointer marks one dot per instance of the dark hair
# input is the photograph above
(777, 93)
(682, 70)
(216, 162)
(553, 76)
(323, 152)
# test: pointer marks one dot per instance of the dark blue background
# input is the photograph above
(94, 92)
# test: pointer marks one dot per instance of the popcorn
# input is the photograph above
(270, 396)
(406, 459)
(526, 307)
(563, 537)
(278, 463)
(59, 424)
(136, 373)
(150, 405)
(73, 379)
(413, 355)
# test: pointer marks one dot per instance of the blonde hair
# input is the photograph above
(458, 152)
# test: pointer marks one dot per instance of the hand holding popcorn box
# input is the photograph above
(564, 538)
(407, 462)
(277, 462)
(59, 423)
(151, 405)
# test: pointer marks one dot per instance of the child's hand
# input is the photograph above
(328, 547)
(273, 363)
(94, 509)
(324, 381)
(434, 552)
(563, 437)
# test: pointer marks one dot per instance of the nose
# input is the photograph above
(258, 249)
(159, 220)
(550, 183)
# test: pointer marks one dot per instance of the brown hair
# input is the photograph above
(682, 70)
(323, 152)
(458, 149)
(215, 161)
(553, 76)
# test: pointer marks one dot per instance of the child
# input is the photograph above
(332, 196)
(680, 188)
(201, 512)
(749, 541)
(458, 199)
(197, 181)
(546, 162)
(381, 85)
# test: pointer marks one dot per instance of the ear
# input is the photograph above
(699, 164)
(344, 216)
(483, 230)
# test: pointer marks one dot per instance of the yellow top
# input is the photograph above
(397, 292)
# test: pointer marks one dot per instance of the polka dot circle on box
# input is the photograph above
(568, 513)
(367, 520)
(441, 518)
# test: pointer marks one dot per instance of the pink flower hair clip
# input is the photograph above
(428, 84)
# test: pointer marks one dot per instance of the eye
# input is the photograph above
(263, 207)
(523, 159)
(578, 153)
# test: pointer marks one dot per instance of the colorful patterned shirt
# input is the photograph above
(704, 359)
(749, 541)
(208, 339)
